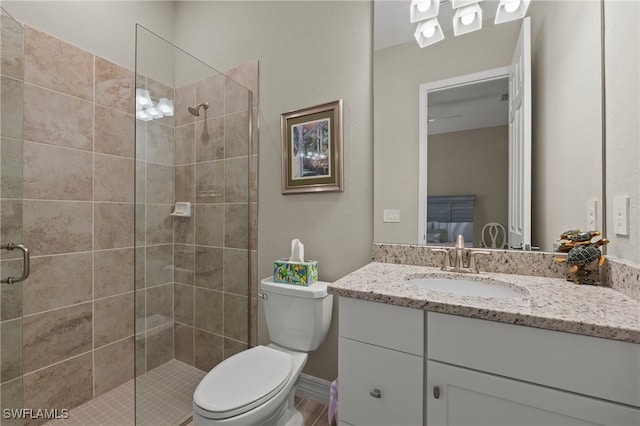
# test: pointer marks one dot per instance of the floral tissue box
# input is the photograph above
(296, 273)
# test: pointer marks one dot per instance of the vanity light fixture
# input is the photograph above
(147, 109)
(467, 19)
(428, 32)
(510, 10)
(424, 9)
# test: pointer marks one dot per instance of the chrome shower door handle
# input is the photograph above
(26, 263)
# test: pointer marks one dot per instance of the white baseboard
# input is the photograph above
(311, 387)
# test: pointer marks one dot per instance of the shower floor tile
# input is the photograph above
(164, 397)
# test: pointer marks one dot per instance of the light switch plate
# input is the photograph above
(391, 215)
(592, 214)
(621, 215)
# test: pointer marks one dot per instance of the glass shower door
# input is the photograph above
(14, 266)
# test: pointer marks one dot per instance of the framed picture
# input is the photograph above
(312, 149)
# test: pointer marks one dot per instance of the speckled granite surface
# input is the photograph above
(622, 276)
(549, 303)
(538, 264)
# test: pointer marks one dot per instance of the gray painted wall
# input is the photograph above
(309, 53)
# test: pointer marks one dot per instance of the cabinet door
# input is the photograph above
(379, 386)
(458, 396)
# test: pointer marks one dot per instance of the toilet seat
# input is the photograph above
(243, 382)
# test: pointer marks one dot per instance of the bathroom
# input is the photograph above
(262, 36)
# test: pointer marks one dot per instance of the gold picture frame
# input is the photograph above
(312, 149)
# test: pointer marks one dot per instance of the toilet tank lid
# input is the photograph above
(314, 291)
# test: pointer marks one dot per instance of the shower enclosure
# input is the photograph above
(140, 218)
(194, 223)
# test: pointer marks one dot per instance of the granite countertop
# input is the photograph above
(549, 303)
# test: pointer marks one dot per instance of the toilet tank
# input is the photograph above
(297, 317)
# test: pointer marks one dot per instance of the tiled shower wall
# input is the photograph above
(77, 217)
(213, 247)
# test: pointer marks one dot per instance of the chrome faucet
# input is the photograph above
(459, 253)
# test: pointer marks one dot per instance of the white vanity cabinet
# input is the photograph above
(402, 366)
(488, 373)
(380, 363)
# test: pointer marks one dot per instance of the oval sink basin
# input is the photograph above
(466, 287)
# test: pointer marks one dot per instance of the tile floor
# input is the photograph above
(164, 397)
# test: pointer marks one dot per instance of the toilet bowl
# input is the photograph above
(257, 386)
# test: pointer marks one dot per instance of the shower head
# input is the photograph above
(195, 110)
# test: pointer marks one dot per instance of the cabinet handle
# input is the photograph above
(375, 393)
(436, 392)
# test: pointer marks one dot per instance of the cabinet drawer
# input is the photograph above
(587, 365)
(384, 325)
(397, 376)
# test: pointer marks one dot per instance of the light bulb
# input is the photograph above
(143, 98)
(143, 115)
(429, 30)
(154, 112)
(423, 6)
(512, 6)
(467, 19)
(165, 106)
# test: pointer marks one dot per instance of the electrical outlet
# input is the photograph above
(621, 215)
(391, 215)
(592, 214)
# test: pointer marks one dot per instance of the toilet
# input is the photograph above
(258, 386)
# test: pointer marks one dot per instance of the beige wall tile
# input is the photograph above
(113, 225)
(210, 182)
(114, 178)
(209, 267)
(140, 267)
(114, 319)
(56, 173)
(184, 335)
(185, 144)
(140, 302)
(141, 356)
(115, 86)
(11, 356)
(57, 119)
(185, 186)
(141, 182)
(159, 346)
(113, 272)
(236, 226)
(236, 271)
(159, 307)
(159, 184)
(12, 39)
(159, 265)
(11, 295)
(236, 97)
(50, 62)
(183, 228)
(253, 226)
(160, 143)
(232, 347)
(12, 226)
(209, 139)
(183, 260)
(113, 365)
(253, 180)
(236, 180)
(159, 224)
(246, 75)
(209, 225)
(11, 164)
(209, 310)
(236, 312)
(208, 350)
(56, 335)
(12, 398)
(211, 90)
(185, 98)
(183, 303)
(58, 281)
(64, 385)
(140, 224)
(114, 132)
(52, 227)
(12, 107)
(236, 134)
(141, 140)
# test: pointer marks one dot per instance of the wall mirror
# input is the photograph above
(566, 79)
